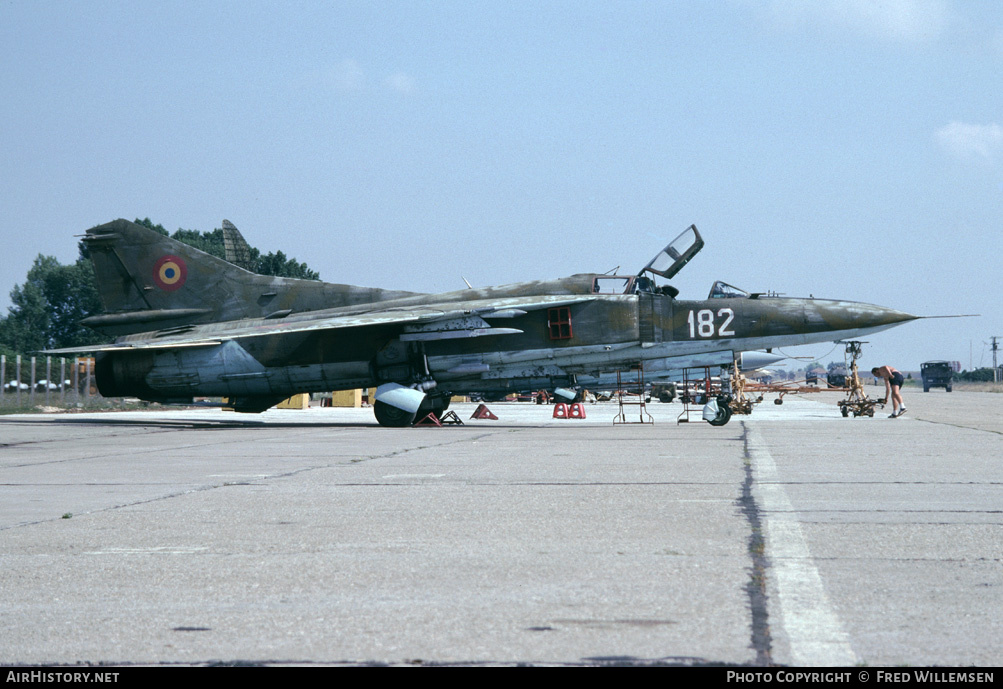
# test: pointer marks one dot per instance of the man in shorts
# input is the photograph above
(893, 388)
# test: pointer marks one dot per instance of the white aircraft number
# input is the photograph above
(702, 323)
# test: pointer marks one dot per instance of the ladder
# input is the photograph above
(625, 397)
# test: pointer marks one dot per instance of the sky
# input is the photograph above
(847, 149)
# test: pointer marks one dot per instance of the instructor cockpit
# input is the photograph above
(722, 290)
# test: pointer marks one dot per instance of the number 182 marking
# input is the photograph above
(702, 323)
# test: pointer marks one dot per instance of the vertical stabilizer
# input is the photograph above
(148, 281)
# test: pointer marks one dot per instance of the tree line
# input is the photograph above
(46, 310)
(979, 375)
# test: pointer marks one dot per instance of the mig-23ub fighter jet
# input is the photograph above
(189, 324)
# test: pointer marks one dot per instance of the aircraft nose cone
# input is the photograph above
(882, 316)
(859, 319)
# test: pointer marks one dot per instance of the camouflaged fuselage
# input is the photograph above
(193, 325)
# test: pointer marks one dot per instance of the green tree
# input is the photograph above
(23, 330)
(46, 310)
(979, 375)
(277, 264)
(209, 242)
(148, 224)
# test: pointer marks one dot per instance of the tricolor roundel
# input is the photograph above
(169, 273)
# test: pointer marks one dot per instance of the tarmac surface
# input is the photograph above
(792, 537)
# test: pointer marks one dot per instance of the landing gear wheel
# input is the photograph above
(723, 415)
(844, 411)
(391, 416)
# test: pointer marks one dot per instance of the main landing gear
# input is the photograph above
(391, 416)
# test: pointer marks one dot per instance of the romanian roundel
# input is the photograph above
(169, 273)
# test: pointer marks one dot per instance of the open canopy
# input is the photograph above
(677, 254)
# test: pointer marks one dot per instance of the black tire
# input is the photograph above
(391, 416)
(723, 415)
(844, 411)
(948, 388)
(926, 388)
(664, 397)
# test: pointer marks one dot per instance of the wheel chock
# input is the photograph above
(482, 412)
(430, 419)
(576, 411)
(450, 417)
(560, 410)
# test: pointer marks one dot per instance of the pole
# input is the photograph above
(996, 368)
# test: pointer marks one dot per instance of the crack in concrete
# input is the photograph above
(958, 425)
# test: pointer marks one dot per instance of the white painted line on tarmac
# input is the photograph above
(816, 635)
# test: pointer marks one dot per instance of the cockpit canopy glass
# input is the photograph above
(677, 254)
(722, 290)
(613, 284)
(621, 284)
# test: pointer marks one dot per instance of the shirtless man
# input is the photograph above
(893, 385)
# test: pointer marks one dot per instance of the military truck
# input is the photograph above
(836, 378)
(936, 374)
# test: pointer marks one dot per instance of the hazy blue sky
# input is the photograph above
(846, 149)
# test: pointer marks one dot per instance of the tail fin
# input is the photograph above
(147, 281)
